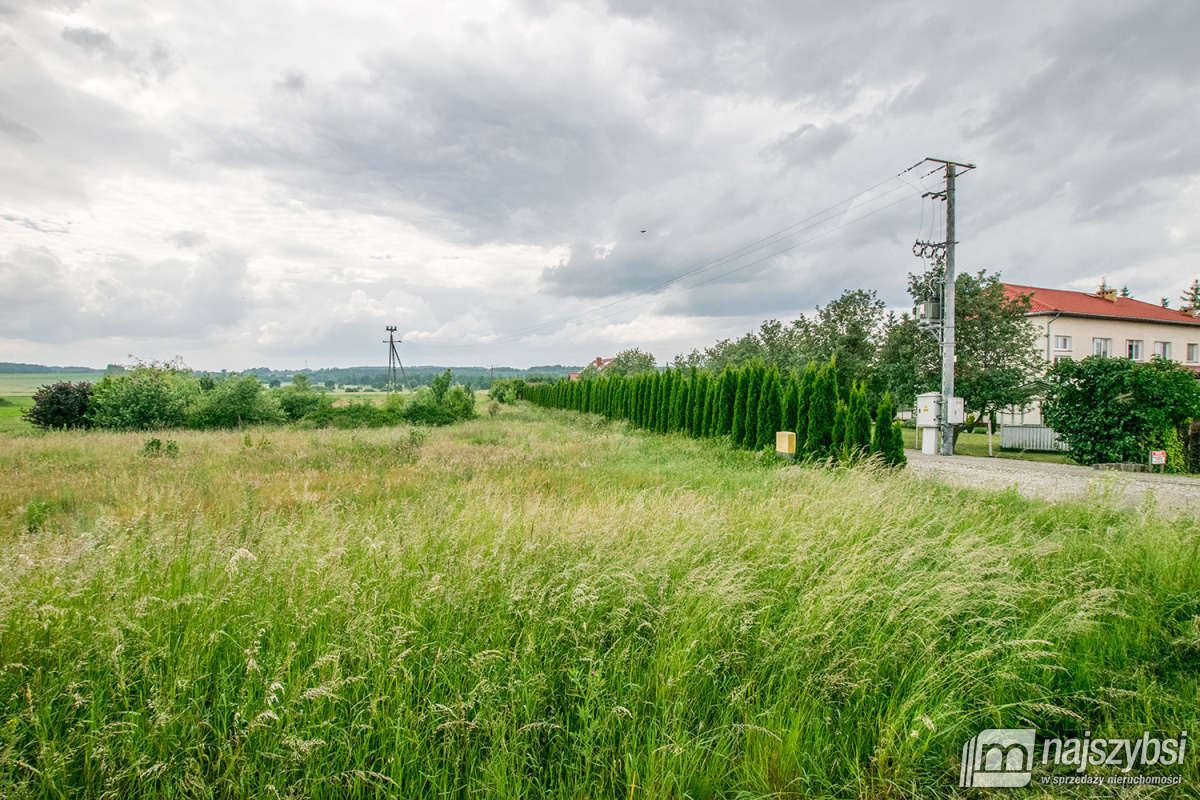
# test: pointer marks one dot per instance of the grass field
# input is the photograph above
(546, 605)
(10, 414)
(27, 384)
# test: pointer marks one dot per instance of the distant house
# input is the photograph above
(1075, 325)
(599, 364)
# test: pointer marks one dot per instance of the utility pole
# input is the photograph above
(393, 360)
(943, 254)
(948, 319)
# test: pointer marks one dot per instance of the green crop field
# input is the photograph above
(548, 605)
(27, 384)
(10, 414)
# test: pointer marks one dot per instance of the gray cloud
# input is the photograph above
(566, 130)
(120, 296)
(186, 239)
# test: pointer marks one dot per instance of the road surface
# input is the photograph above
(1171, 494)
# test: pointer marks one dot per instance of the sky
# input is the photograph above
(523, 183)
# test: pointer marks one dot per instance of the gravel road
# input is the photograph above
(1173, 495)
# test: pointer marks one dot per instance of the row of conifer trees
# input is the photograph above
(748, 404)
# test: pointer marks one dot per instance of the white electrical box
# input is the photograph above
(928, 406)
(927, 409)
(957, 412)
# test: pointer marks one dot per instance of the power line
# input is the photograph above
(816, 219)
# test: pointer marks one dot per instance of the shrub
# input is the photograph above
(60, 406)
(153, 448)
(1109, 409)
(234, 402)
(147, 397)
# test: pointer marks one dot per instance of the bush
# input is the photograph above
(232, 403)
(1112, 409)
(148, 397)
(60, 406)
(506, 391)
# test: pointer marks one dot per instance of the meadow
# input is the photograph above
(546, 604)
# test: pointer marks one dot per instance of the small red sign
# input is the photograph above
(1158, 457)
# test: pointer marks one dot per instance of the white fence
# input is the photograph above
(1030, 437)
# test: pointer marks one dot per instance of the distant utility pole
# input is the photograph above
(943, 253)
(492, 367)
(393, 360)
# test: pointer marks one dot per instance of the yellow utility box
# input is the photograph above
(785, 444)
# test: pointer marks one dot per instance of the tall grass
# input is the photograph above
(546, 605)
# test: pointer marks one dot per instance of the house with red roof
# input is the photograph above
(1075, 325)
(599, 364)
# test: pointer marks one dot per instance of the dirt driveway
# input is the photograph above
(1170, 493)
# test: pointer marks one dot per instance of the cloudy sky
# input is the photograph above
(273, 182)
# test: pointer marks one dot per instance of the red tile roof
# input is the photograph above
(1083, 304)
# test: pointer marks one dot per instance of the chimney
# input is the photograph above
(1106, 293)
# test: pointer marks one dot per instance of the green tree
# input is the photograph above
(846, 330)
(1191, 297)
(821, 411)
(60, 406)
(753, 392)
(837, 443)
(727, 402)
(738, 429)
(631, 362)
(857, 442)
(995, 347)
(1114, 409)
(791, 403)
(770, 410)
(884, 416)
(808, 383)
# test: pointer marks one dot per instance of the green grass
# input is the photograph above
(27, 384)
(976, 444)
(547, 605)
(10, 414)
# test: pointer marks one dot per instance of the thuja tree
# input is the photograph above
(822, 408)
(738, 430)
(770, 410)
(858, 424)
(699, 404)
(753, 392)
(887, 441)
(727, 402)
(837, 444)
(808, 383)
(791, 403)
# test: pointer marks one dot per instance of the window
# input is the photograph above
(1162, 349)
(1062, 358)
(1193, 352)
(1102, 347)
(1133, 349)
(1062, 342)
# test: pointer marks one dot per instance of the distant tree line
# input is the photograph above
(377, 377)
(151, 396)
(748, 404)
